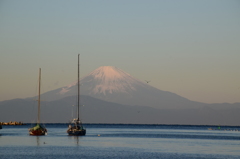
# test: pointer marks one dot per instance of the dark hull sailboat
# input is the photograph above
(38, 129)
(76, 128)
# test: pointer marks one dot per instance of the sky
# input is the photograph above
(191, 48)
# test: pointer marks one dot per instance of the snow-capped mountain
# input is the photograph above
(121, 99)
(114, 85)
(105, 80)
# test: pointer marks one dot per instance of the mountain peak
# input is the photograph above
(109, 73)
(111, 84)
(109, 79)
(103, 80)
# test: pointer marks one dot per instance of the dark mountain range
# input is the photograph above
(97, 111)
(110, 95)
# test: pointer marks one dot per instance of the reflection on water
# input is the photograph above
(75, 139)
(37, 138)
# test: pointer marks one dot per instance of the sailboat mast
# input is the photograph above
(78, 88)
(39, 91)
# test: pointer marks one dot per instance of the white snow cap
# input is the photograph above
(105, 79)
(109, 73)
(110, 78)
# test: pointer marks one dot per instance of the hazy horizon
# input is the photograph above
(191, 48)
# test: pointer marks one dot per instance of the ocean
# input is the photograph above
(122, 141)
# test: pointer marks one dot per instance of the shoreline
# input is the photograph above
(12, 123)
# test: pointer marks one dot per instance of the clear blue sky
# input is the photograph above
(191, 48)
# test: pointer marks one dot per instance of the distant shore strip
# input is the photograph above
(12, 123)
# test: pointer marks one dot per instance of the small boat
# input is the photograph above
(38, 129)
(76, 128)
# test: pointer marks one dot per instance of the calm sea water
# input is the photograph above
(122, 141)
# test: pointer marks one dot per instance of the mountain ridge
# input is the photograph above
(97, 111)
(110, 95)
(111, 84)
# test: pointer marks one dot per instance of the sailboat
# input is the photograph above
(76, 128)
(38, 129)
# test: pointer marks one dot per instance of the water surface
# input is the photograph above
(122, 141)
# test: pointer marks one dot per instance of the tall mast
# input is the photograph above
(39, 91)
(78, 88)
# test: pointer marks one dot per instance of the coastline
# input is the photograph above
(12, 123)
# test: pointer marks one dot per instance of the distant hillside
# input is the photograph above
(98, 111)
